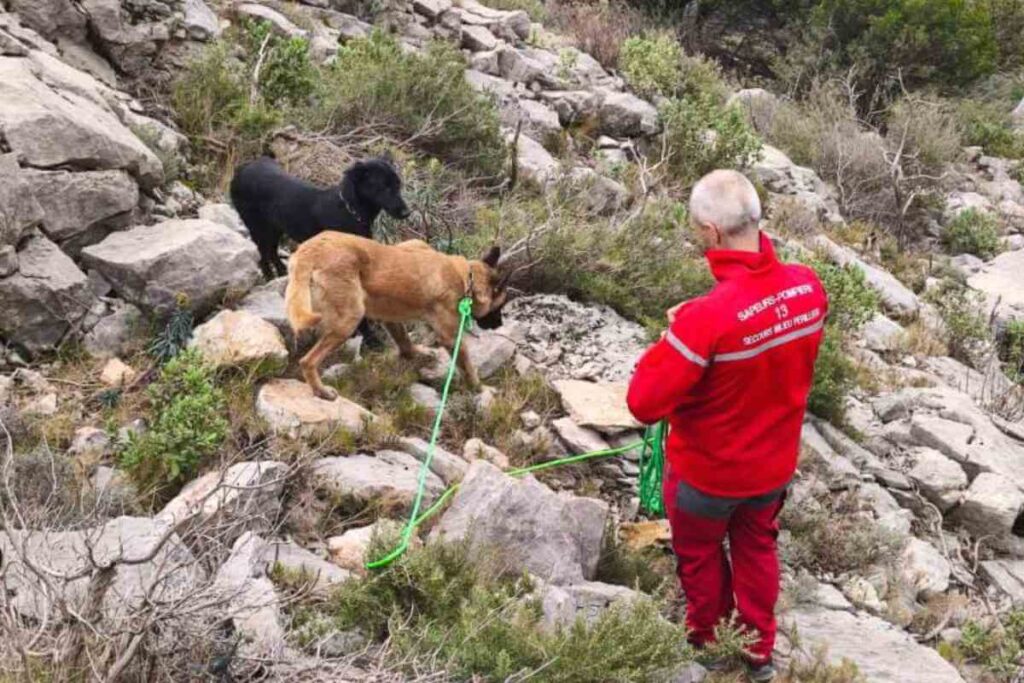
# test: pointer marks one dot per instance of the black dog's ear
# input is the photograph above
(492, 256)
(349, 180)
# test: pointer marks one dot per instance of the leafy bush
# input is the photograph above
(988, 126)
(228, 105)
(186, 429)
(973, 232)
(694, 151)
(851, 304)
(996, 648)
(373, 82)
(1013, 350)
(472, 619)
(834, 538)
(658, 66)
(966, 333)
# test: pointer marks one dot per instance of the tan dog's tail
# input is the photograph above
(298, 299)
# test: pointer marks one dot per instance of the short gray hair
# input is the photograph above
(726, 199)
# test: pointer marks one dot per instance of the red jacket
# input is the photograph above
(733, 372)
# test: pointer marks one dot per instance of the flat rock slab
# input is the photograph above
(290, 408)
(390, 478)
(896, 296)
(882, 652)
(240, 338)
(152, 265)
(1007, 576)
(553, 536)
(1000, 279)
(598, 406)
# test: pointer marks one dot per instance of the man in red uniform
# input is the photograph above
(732, 375)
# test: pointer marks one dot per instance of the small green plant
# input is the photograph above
(566, 63)
(1013, 350)
(988, 126)
(703, 135)
(834, 537)
(973, 232)
(851, 304)
(657, 66)
(374, 83)
(967, 331)
(187, 425)
(995, 648)
(472, 619)
(381, 382)
(175, 334)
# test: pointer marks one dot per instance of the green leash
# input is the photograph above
(650, 467)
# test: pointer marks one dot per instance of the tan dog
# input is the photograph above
(335, 279)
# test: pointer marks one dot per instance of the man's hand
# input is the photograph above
(671, 313)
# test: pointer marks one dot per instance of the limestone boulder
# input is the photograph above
(240, 339)
(389, 478)
(152, 266)
(600, 406)
(45, 299)
(555, 537)
(289, 407)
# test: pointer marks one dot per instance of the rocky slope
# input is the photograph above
(93, 242)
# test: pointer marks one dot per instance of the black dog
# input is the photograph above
(273, 204)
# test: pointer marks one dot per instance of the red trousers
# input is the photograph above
(714, 587)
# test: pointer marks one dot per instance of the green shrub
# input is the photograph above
(228, 109)
(187, 425)
(988, 126)
(851, 304)
(693, 151)
(834, 537)
(1013, 350)
(995, 648)
(967, 330)
(882, 44)
(445, 605)
(374, 83)
(658, 66)
(973, 232)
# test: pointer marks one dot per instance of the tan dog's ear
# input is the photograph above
(492, 256)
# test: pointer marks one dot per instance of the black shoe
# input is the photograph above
(762, 673)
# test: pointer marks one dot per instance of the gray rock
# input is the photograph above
(895, 296)
(882, 334)
(150, 266)
(478, 39)
(599, 406)
(556, 537)
(240, 339)
(128, 539)
(889, 407)
(625, 115)
(839, 471)
(448, 466)
(578, 439)
(566, 339)
(281, 24)
(46, 299)
(535, 162)
(923, 568)
(226, 215)
(587, 600)
(691, 672)
(601, 195)
(1007, 576)
(289, 407)
(940, 479)
(950, 438)
(321, 574)
(489, 351)
(112, 335)
(514, 65)
(267, 302)
(244, 497)
(426, 397)
(432, 9)
(999, 280)
(47, 128)
(966, 264)
(20, 208)
(573, 106)
(255, 607)
(888, 513)
(991, 506)
(8, 260)
(476, 449)
(389, 477)
(200, 21)
(538, 119)
(89, 443)
(482, 80)
(881, 651)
